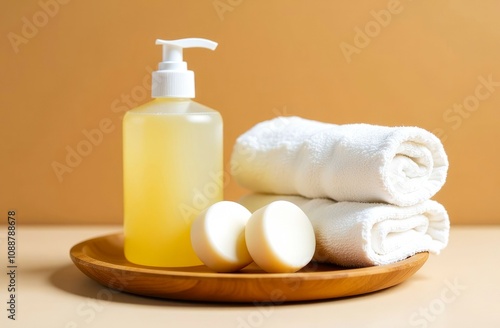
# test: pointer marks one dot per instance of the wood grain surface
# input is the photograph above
(102, 259)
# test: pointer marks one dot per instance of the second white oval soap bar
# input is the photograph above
(280, 237)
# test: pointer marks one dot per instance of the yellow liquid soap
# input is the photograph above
(172, 162)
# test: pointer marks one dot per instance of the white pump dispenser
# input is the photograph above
(173, 79)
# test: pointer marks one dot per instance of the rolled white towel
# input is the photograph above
(362, 234)
(356, 162)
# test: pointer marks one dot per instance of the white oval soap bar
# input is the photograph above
(218, 236)
(280, 237)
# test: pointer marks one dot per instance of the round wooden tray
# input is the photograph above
(102, 259)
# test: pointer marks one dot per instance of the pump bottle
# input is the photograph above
(172, 163)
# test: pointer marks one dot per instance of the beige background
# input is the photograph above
(71, 68)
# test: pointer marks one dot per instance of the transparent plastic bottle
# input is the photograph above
(172, 162)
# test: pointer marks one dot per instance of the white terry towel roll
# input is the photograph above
(356, 162)
(362, 234)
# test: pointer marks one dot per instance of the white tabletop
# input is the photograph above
(459, 288)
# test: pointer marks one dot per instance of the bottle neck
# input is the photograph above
(171, 99)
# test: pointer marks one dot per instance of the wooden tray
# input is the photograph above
(102, 259)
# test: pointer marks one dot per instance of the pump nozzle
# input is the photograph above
(172, 79)
(172, 50)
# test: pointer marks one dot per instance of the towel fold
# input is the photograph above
(361, 234)
(356, 162)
